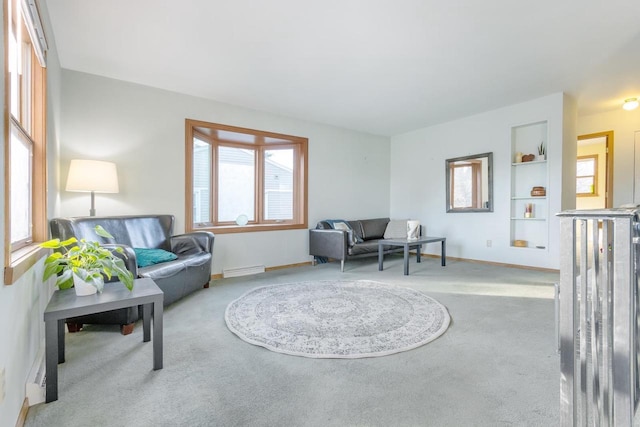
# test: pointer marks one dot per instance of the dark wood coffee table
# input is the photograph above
(65, 304)
(406, 243)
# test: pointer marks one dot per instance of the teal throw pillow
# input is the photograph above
(146, 257)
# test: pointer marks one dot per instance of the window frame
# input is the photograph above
(19, 260)
(594, 176)
(205, 131)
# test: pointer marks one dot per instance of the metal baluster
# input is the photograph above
(568, 322)
(607, 343)
(623, 305)
(596, 312)
(583, 316)
(635, 242)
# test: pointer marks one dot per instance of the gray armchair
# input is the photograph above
(177, 278)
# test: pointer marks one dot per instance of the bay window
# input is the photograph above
(243, 179)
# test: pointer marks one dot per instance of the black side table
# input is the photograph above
(65, 303)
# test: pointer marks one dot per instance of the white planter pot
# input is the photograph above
(83, 288)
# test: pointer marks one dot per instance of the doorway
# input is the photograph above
(594, 171)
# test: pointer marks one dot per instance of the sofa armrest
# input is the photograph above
(329, 243)
(192, 243)
(130, 261)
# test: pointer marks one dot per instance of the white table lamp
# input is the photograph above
(92, 176)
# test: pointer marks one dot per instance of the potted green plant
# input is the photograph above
(542, 152)
(83, 263)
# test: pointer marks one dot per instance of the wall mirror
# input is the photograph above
(470, 183)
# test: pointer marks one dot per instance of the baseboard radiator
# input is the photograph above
(599, 317)
(242, 271)
(37, 380)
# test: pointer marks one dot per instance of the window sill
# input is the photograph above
(21, 261)
(228, 229)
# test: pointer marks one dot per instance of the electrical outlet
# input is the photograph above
(488, 243)
(2, 381)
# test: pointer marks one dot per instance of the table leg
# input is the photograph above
(61, 341)
(146, 321)
(380, 256)
(406, 259)
(443, 255)
(418, 250)
(157, 334)
(51, 359)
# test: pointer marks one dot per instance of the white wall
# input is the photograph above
(569, 150)
(142, 129)
(624, 125)
(636, 179)
(22, 304)
(418, 180)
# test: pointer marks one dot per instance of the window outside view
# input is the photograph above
(586, 176)
(201, 181)
(236, 183)
(278, 184)
(20, 189)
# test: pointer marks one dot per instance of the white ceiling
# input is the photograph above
(377, 66)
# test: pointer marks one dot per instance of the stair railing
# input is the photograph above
(598, 317)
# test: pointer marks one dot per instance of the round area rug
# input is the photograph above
(337, 319)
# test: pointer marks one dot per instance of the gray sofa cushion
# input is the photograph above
(367, 247)
(396, 229)
(341, 224)
(344, 225)
(356, 226)
(150, 231)
(373, 228)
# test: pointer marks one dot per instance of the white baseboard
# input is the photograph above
(242, 271)
(37, 380)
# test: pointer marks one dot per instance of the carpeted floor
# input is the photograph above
(496, 365)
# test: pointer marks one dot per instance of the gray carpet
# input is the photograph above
(495, 366)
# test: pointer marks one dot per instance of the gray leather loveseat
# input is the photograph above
(360, 241)
(190, 271)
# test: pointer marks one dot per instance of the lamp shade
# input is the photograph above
(92, 175)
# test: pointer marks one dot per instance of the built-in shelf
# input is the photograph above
(529, 163)
(528, 197)
(525, 140)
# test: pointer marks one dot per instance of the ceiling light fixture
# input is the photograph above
(630, 104)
